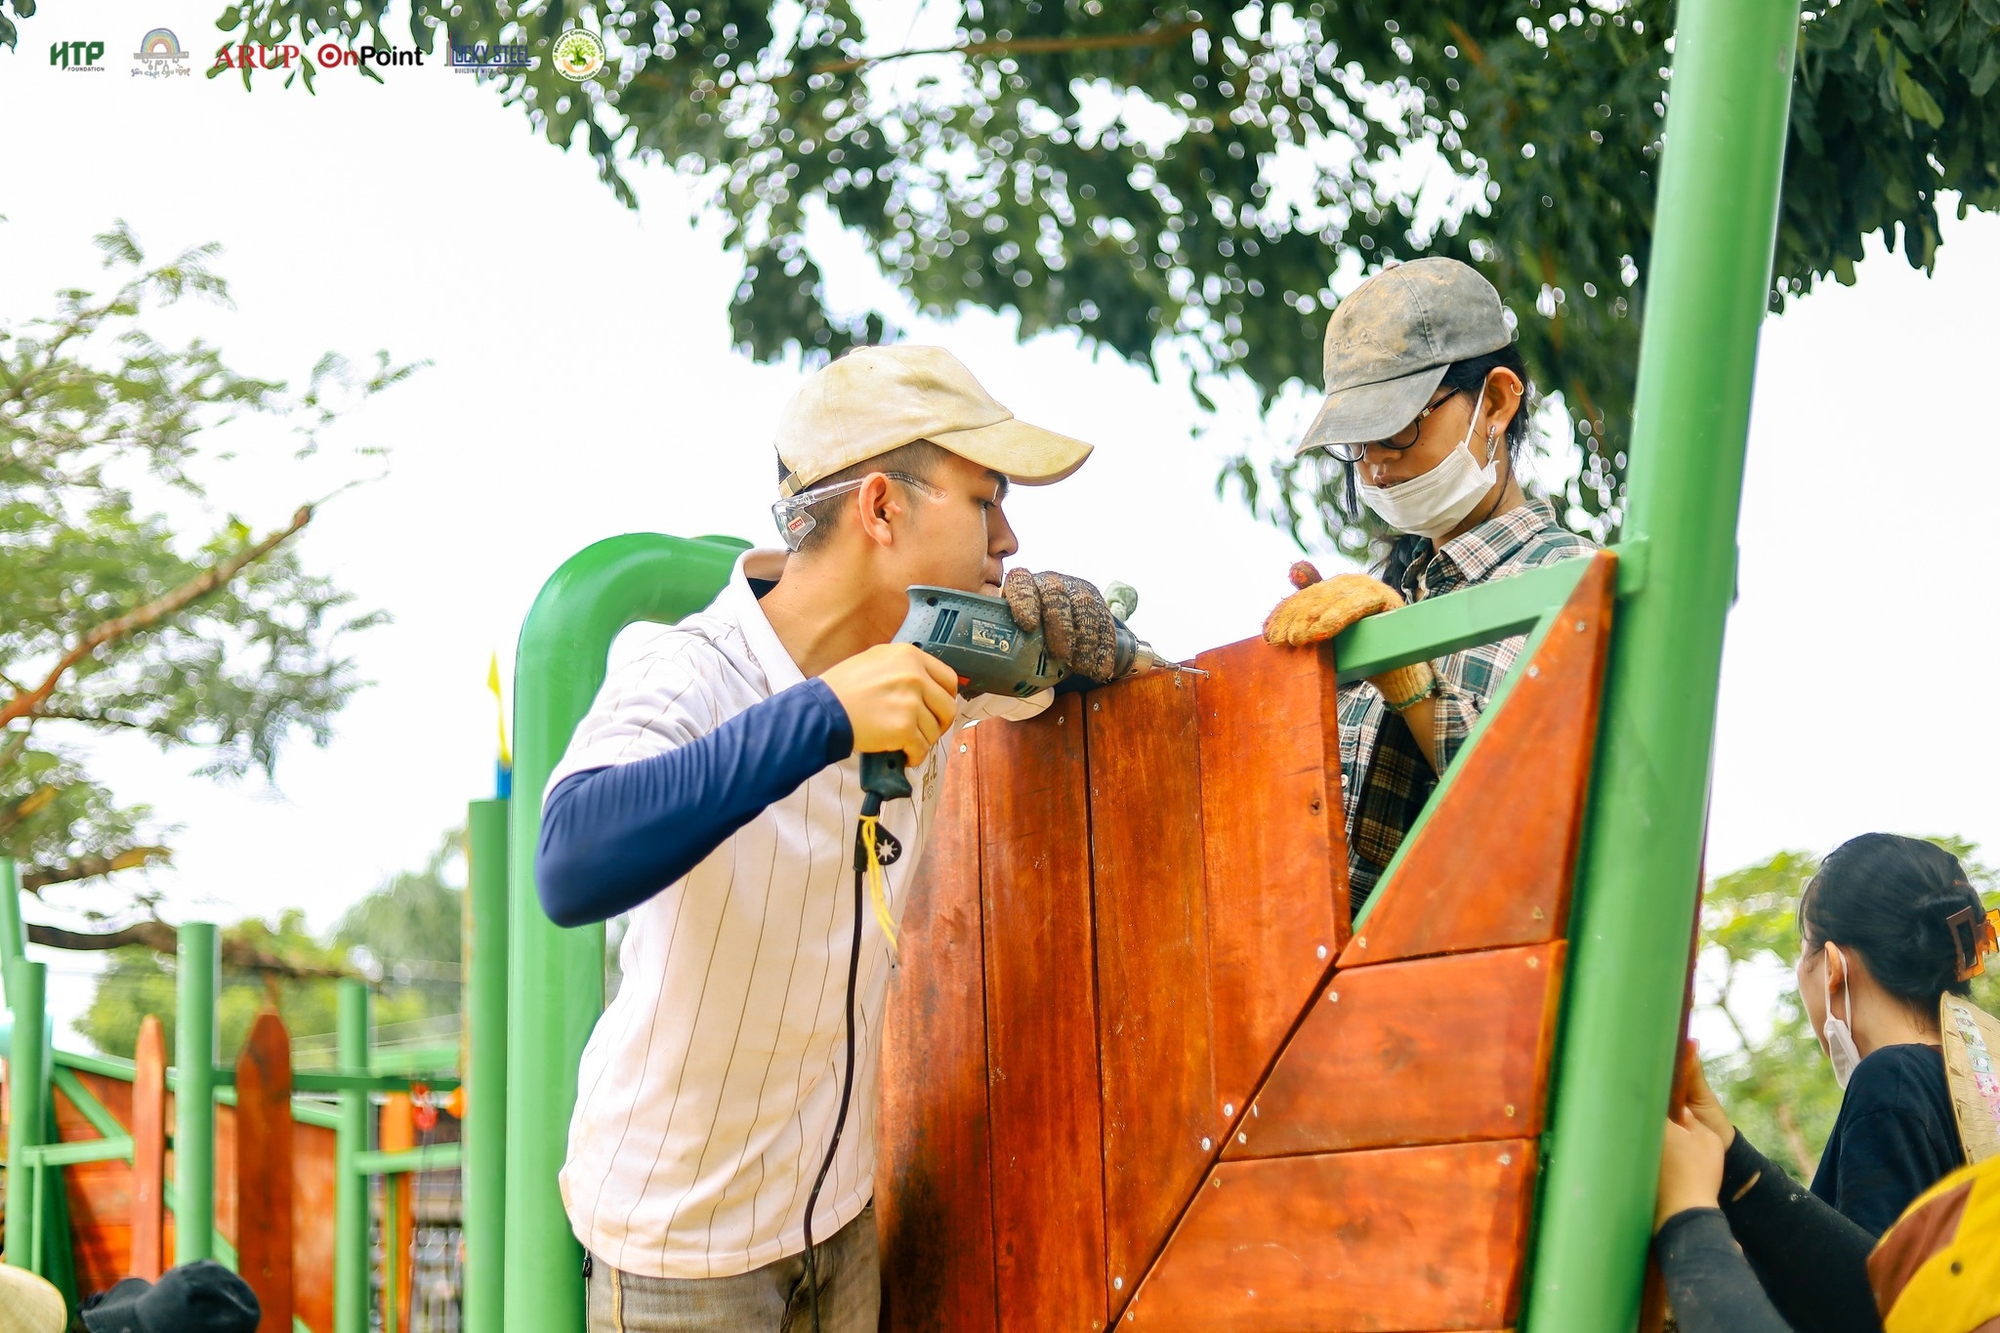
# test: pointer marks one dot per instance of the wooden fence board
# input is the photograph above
(934, 1183)
(149, 1151)
(1047, 1139)
(1275, 850)
(264, 1170)
(1160, 1117)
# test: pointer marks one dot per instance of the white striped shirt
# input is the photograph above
(708, 1091)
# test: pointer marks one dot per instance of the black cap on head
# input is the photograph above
(201, 1297)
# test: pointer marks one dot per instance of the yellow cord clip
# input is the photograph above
(878, 887)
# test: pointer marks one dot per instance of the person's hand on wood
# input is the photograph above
(1701, 1098)
(1322, 608)
(1071, 616)
(1690, 1168)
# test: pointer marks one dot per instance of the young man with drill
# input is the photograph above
(725, 1107)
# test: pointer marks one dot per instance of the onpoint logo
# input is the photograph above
(336, 57)
(77, 57)
(160, 56)
(578, 55)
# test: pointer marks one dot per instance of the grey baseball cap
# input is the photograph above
(1390, 342)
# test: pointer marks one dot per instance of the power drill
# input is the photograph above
(976, 636)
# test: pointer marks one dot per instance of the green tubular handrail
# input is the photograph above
(555, 976)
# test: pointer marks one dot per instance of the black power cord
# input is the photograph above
(871, 806)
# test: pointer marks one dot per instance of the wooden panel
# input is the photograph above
(1047, 1142)
(149, 1151)
(396, 1131)
(1275, 847)
(1160, 1118)
(1492, 864)
(264, 1170)
(933, 1176)
(312, 1226)
(1393, 1240)
(1433, 1051)
(99, 1194)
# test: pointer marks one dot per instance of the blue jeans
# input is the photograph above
(771, 1299)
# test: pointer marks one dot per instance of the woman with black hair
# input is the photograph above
(1877, 955)
(1427, 408)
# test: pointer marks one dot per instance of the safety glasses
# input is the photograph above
(1354, 453)
(794, 513)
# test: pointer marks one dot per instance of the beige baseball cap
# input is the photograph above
(876, 399)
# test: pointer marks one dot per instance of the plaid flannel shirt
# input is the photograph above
(1385, 779)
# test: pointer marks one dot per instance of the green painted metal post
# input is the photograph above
(27, 985)
(198, 967)
(350, 1139)
(555, 976)
(486, 1075)
(13, 934)
(1706, 295)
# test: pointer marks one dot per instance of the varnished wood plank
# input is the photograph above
(1152, 963)
(396, 1131)
(149, 1151)
(264, 1170)
(1492, 864)
(1436, 1050)
(1275, 850)
(1047, 1141)
(1392, 1240)
(933, 1173)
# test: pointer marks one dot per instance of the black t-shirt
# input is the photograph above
(1895, 1137)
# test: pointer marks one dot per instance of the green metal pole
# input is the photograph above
(556, 977)
(486, 1075)
(13, 934)
(1706, 295)
(350, 1139)
(27, 983)
(198, 965)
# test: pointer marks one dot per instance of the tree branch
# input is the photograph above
(27, 705)
(1031, 46)
(163, 938)
(89, 867)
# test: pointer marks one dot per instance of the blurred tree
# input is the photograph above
(404, 937)
(113, 618)
(1777, 1084)
(1192, 186)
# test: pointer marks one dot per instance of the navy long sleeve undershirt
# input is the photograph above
(613, 837)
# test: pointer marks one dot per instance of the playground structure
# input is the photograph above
(1164, 1080)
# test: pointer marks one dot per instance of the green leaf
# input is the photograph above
(1989, 70)
(1918, 101)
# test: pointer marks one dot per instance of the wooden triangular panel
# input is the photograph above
(1492, 864)
(1397, 1239)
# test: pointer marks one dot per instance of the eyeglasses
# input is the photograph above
(1354, 453)
(794, 512)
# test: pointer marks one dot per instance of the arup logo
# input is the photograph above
(489, 58)
(77, 57)
(256, 57)
(578, 55)
(160, 56)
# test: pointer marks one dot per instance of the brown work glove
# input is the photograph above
(1322, 608)
(1071, 616)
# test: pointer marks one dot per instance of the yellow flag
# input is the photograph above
(500, 704)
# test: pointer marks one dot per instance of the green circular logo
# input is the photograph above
(578, 55)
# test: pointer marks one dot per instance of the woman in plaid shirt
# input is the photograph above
(1426, 406)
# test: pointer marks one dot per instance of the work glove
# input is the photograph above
(1322, 608)
(1072, 618)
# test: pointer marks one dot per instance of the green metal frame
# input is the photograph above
(555, 986)
(485, 1169)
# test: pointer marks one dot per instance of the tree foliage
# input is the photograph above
(115, 618)
(404, 937)
(1192, 186)
(1776, 1083)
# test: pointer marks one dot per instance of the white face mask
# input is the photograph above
(1433, 504)
(1839, 1040)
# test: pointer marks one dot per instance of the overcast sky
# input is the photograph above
(583, 385)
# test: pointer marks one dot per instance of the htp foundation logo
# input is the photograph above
(77, 57)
